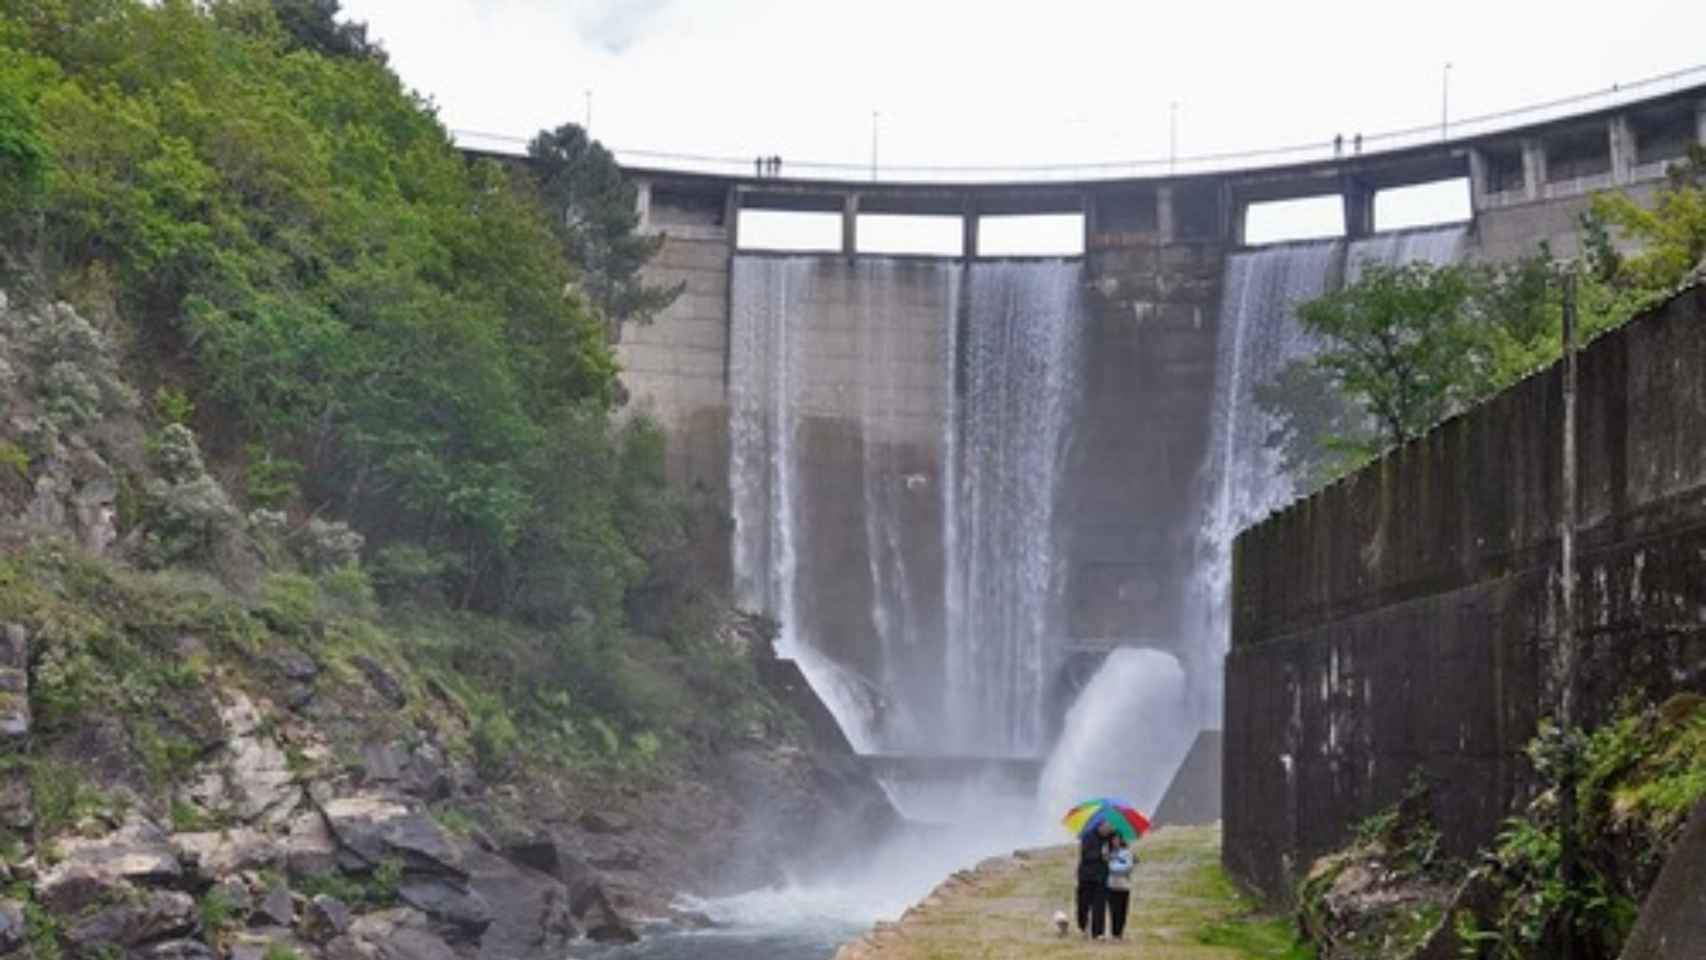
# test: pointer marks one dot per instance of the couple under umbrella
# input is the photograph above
(1106, 829)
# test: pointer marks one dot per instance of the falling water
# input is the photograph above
(823, 348)
(1122, 737)
(1259, 337)
(957, 489)
(1020, 368)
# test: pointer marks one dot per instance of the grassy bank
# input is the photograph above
(1183, 908)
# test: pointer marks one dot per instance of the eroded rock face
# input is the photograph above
(88, 867)
(376, 828)
(218, 853)
(139, 918)
(401, 934)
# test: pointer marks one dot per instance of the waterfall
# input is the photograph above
(839, 381)
(1007, 445)
(904, 532)
(1259, 336)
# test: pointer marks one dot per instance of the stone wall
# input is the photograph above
(1402, 619)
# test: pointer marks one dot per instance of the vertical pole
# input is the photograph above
(968, 229)
(1445, 103)
(1173, 137)
(875, 116)
(1569, 855)
(589, 111)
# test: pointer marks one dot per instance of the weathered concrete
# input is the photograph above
(1672, 925)
(1403, 618)
(1193, 798)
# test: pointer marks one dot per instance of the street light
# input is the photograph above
(1445, 102)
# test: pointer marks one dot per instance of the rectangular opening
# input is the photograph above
(1422, 204)
(789, 230)
(1031, 235)
(896, 233)
(1126, 213)
(1307, 218)
(1504, 171)
(1663, 133)
(673, 208)
(1577, 154)
(1196, 212)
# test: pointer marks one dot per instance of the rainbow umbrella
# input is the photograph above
(1121, 816)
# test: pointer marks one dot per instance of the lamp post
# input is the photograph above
(876, 117)
(1173, 136)
(589, 111)
(1445, 102)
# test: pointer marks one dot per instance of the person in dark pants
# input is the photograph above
(1120, 864)
(1092, 898)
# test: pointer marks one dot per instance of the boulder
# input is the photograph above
(400, 934)
(326, 917)
(259, 944)
(381, 680)
(177, 950)
(134, 919)
(252, 776)
(376, 828)
(530, 910)
(449, 901)
(12, 929)
(310, 850)
(136, 851)
(14, 682)
(216, 853)
(276, 909)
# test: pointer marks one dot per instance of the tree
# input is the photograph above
(598, 225)
(1668, 238)
(1406, 346)
(1396, 342)
(313, 25)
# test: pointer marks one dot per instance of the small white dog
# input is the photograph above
(1061, 924)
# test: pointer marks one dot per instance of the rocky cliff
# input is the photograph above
(207, 752)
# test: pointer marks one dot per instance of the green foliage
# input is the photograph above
(15, 458)
(376, 890)
(218, 913)
(1669, 236)
(173, 406)
(62, 796)
(186, 513)
(1264, 937)
(25, 157)
(1407, 346)
(597, 223)
(387, 321)
(41, 932)
(1638, 777)
(270, 480)
(278, 951)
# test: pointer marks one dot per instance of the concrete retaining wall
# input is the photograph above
(1403, 618)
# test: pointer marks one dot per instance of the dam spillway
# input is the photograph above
(828, 399)
(898, 430)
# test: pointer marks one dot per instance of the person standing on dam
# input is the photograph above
(1092, 894)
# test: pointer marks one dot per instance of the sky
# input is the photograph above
(1008, 83)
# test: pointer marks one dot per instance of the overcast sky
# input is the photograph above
(987, 81)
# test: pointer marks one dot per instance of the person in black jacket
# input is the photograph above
(1092, 898)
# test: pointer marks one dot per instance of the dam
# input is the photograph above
(960, 481)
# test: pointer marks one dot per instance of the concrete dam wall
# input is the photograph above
(1405, 618)
(960, 481)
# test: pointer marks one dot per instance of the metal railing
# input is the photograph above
(1617, 95)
